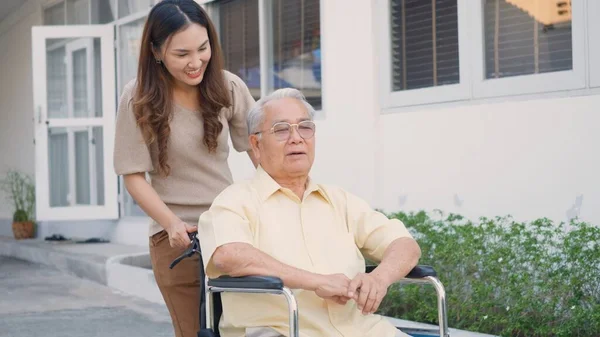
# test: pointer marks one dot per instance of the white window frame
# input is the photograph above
(534, 83)
(593, 12)
(473, 85)
(437, 94)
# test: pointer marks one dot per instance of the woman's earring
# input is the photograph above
(158, 61)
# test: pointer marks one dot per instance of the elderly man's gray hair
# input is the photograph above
(256, 114)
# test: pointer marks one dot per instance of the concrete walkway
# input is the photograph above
(38, 300)
(121, 267)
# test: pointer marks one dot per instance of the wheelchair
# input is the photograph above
(211, 307)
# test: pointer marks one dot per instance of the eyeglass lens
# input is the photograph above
(306, 129)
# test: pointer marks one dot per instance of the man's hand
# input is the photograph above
(368, 290)
(178, 234)
(334, 287)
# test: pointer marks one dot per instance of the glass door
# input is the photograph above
(75, 107)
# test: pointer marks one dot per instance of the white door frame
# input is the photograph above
(42, 122)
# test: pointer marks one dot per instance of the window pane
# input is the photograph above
(238, 28)
(103, 11)
(82, 168)
(130, 36)
(55, 15)
(58, 166)
(525, 37)
(56, 76)
(297, 47)
(78, 12)
(128, 7)
(75, 166)
(80, 87)
(424, 43)
(73, 73)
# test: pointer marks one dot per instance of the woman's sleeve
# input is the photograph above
(242, 102)
(131, 154)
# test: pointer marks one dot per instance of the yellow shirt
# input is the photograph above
(326, 232)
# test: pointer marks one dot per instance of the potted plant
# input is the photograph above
(20, 191)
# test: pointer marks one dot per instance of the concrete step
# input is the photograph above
(124, 268)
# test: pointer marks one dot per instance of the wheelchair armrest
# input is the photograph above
(419, 271)
(247, 282)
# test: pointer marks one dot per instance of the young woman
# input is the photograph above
(173, 123)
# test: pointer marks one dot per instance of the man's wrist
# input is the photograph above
(384, 274)
(312, 281)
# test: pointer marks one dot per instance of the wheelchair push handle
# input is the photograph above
(193, 249)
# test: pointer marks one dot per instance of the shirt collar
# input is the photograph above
(266, 186)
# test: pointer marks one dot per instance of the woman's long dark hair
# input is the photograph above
(152, 103)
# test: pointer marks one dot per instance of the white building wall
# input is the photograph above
(530, 159)
(16, 105)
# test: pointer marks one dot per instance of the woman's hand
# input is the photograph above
(178, 234)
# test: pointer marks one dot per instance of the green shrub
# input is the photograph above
(20, 192)
(20, 216)
(504, 277)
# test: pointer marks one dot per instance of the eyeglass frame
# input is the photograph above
(291, 126)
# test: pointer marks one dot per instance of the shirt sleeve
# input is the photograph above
(131, 154)
(242, 102)
(227, 221)
(373, 231)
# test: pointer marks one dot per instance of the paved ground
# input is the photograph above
(37, 301)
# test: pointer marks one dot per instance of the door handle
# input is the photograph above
(39, 116)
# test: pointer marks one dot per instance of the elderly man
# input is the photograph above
(313, 236)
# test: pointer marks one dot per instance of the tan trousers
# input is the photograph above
(180, 286)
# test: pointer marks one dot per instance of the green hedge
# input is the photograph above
(504, 277)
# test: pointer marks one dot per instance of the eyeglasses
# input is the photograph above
(283, 130)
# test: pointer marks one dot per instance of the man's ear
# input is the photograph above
(254, 139)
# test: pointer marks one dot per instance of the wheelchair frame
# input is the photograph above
(210, 313)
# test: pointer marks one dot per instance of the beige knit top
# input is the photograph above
(197, 176)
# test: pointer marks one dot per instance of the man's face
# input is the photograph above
(282, 151)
